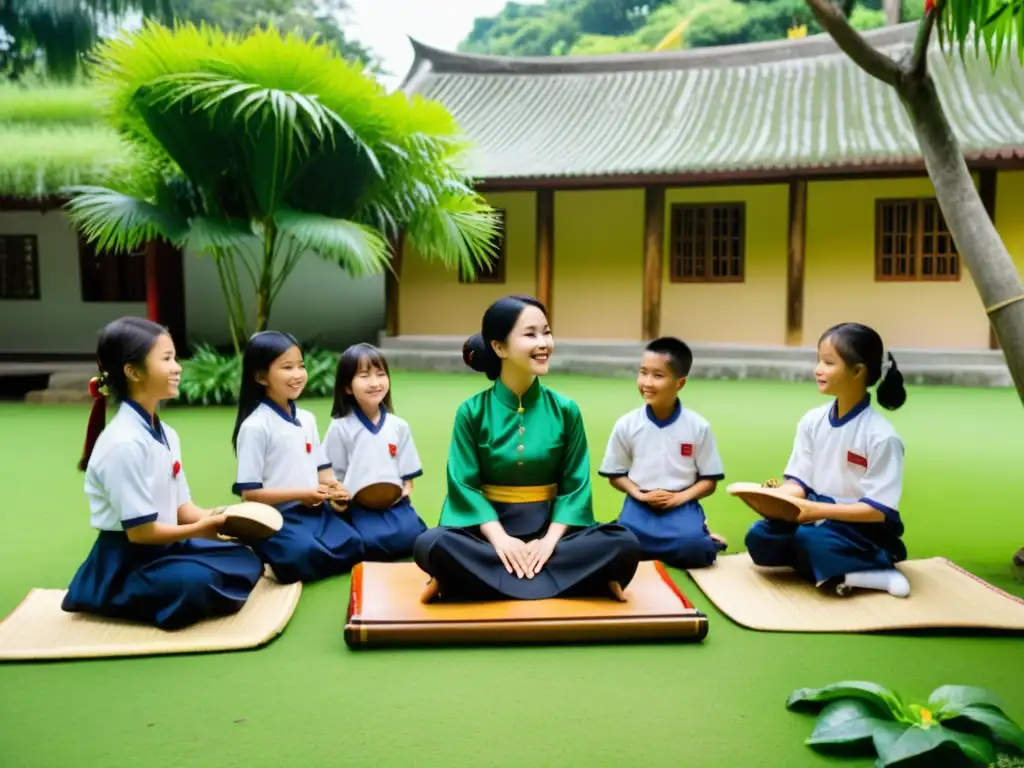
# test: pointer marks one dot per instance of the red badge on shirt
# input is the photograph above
(392, 449)
(176, 469)
(687, 449)
(856, 458)
(309, 447)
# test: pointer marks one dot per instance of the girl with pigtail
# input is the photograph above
(156, 558)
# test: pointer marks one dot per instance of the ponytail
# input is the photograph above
(481, 357)
(97, 417)
(891, 393)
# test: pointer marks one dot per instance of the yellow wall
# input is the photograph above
(597, 279)
(751, 312)
(1009, 210)
(433, 302)
(840, 286)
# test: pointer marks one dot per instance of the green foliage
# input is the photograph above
(212, 378)
(957, 721)
(55, 34)
(553, 28)
(320, 18)
(52, 137)
(995, 26)
(254, 150)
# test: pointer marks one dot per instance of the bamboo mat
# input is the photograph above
(385, 610)
(39, 629)
(942, 595)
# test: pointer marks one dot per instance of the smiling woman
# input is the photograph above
(518, 520)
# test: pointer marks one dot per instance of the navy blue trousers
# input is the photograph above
(678, 537)
(387, 534)
(823, 550)
(314, 543)
(171, 586)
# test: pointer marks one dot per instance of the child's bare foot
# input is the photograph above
(720, 539)
(431, 593)
(616, 590)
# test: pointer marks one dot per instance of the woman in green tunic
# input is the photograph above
(518, 520)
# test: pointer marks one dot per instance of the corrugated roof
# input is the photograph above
(781, 106)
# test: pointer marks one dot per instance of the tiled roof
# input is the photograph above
(761, 108)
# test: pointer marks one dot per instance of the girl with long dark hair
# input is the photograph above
(156, 558)
(281, 463)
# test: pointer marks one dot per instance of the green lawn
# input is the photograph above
(307, 701)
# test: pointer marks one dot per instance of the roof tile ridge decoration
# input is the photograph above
(429, 60)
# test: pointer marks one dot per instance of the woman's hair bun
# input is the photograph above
(478, 355)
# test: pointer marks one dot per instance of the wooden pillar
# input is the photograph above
(654, 250)
(165, 290)
(795, 262)
(392, 278)
(545, 247)
(987, 192)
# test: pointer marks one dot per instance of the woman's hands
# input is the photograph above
(524, 559)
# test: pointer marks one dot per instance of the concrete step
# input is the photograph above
(704, 352)
(51, 396)
(724, 368)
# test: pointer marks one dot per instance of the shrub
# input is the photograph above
(212, 378)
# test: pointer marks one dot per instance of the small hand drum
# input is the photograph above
(767, 502)
(250, 520)
(378, 495)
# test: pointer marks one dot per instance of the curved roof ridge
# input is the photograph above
(743, 54)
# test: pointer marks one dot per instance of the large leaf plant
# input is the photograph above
(256, 150)
(958, 724)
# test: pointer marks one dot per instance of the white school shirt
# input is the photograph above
(134, 475)
(362, 453)
(668, 455)
(856, 458)
(278, 449)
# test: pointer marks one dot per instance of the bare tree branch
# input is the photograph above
(919, 56)
(872, 61)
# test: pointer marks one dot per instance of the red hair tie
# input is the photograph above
(98, 386)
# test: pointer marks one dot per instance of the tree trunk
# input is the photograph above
(265, 286)
(979, 244)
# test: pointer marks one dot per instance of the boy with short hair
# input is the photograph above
(663, 457)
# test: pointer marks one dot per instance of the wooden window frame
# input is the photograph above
(497, 276)
(86, 253)
(19, 242)
(675, 243)
(918, 235)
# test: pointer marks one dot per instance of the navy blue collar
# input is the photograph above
(373, 428)
(153, 425)
(833, 412)
(678, 409)
(291, 418)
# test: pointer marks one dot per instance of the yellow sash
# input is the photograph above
(519, 494)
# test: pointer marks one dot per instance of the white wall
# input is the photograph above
(59, 322)
(320, 303)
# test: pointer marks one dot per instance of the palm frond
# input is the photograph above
(208, 235)
(460, 232)
(359, 249)
(120, 223)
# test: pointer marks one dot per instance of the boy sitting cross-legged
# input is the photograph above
(663, 457)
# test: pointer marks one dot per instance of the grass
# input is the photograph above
(305, 700)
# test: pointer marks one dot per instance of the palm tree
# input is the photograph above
(991, 28)
(59, 32)
(257, 150)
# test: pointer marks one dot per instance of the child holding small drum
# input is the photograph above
(372, 455)
(847, 468)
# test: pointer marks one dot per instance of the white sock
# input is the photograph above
(891, 581)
